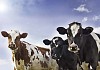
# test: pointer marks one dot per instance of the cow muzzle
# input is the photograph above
(73, 49)
(12, 46)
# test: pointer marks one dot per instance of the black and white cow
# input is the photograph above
(84, 41)
(59, 52)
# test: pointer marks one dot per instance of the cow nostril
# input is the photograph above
(11, 45)
(74, 48)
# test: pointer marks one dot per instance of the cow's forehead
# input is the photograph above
(14, 33)
(75, 26)
(74, 29)
(55, 39)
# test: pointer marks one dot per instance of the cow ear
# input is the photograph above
(24, 35)
(4, 34)
(47, 42)
(62, 30)
(87, 30)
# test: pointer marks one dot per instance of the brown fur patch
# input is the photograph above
(43, 64)
(43, 51)
(22, 53)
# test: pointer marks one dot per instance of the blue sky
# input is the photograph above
(40, 18)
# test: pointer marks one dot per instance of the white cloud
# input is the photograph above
(82, 8)
(92, 18)
(85, 19)
(86, 0)
(96, 18)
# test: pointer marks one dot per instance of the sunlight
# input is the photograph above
(3, 7)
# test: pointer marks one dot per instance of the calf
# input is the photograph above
(27, 56)
(85, 42)
(65, 58)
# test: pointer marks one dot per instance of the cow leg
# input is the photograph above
(80, 67)
(92, 67)
(89, 67)
(14, 68)
(80, 63)
(60, 68)
(72, 69)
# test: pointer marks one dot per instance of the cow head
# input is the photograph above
(74, 34)
(56, 46)
(13, 38)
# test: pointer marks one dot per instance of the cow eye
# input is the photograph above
(18, 37)
(80, 35)
(9, 36)
(67, 34)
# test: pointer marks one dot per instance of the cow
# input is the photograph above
(59, 51)
(85, 41)
(26, 56)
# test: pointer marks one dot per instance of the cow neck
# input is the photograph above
(14, 53)
(22, 54)
(20, 46)
(18, 52)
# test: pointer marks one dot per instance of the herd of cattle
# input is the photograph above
(81, 45)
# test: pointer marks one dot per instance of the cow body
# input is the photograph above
(31, 57)
(59, 52)
(89, 51)
(27, 56)
(85, 42)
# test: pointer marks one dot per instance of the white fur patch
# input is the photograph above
(36, 62)
(97, 40)
(91, 67)
(14, 34)
(55, 42)
(74, 29)
(73, 44)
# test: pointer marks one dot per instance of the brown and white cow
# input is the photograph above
(27, 56)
